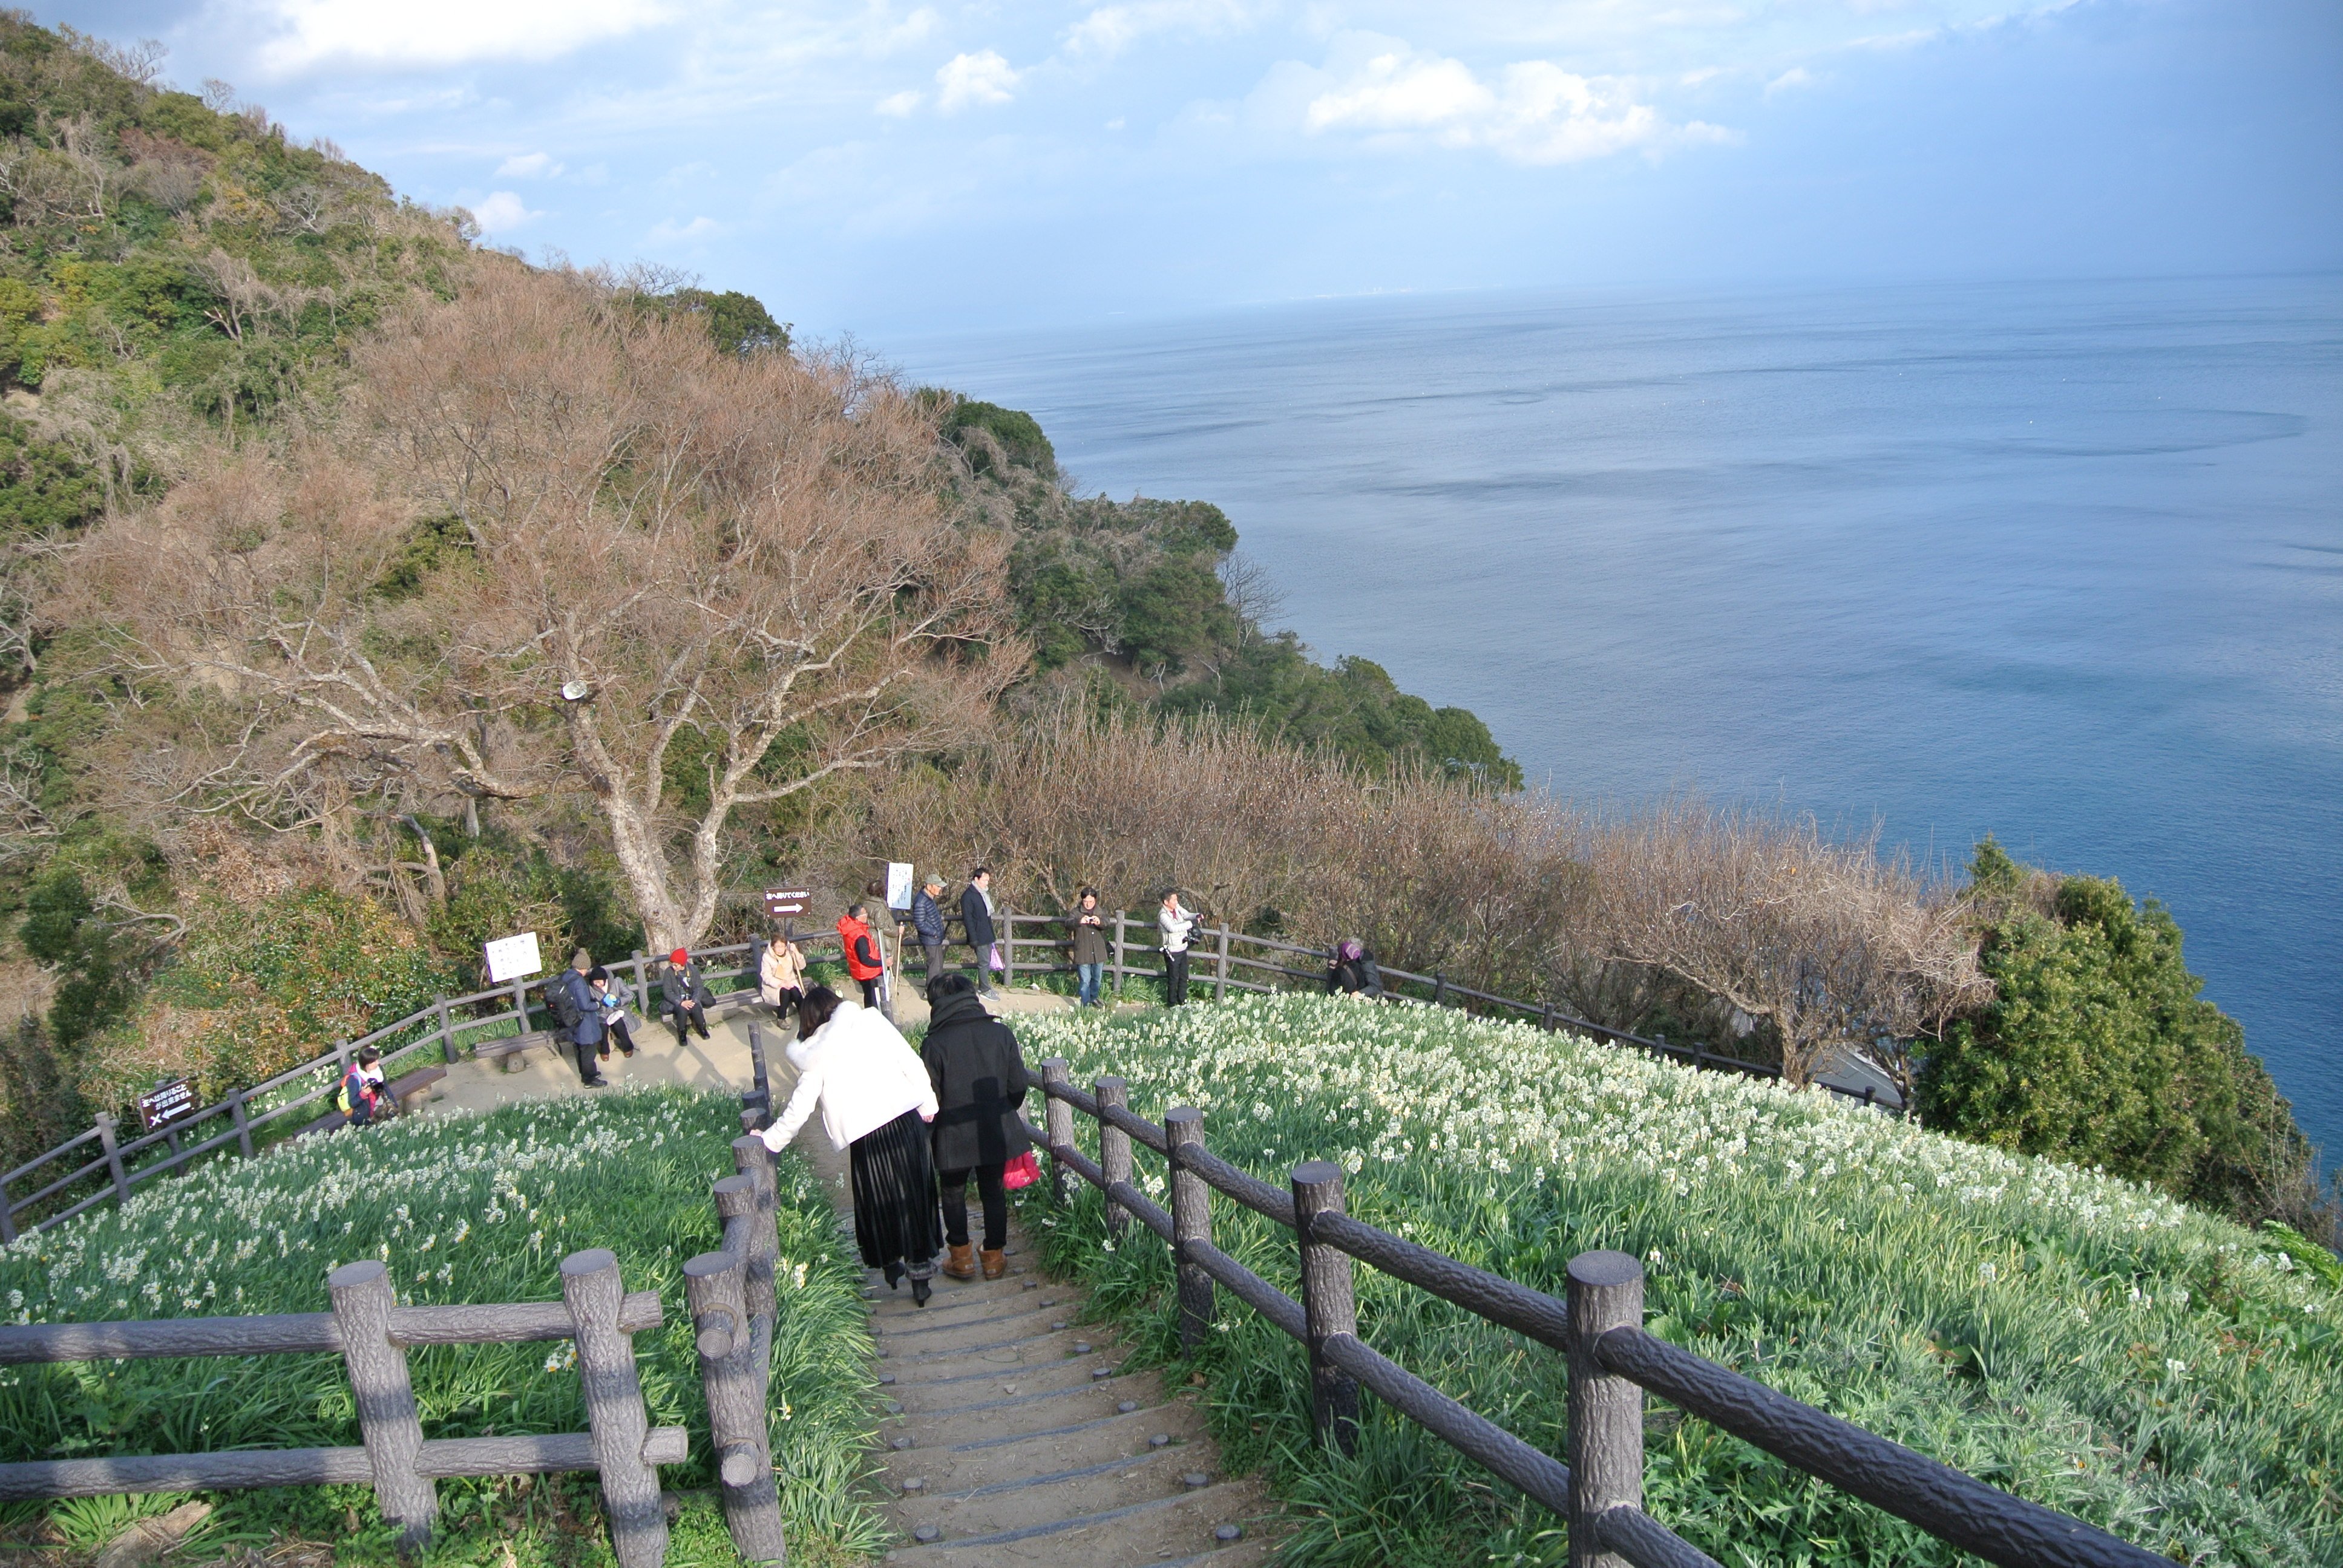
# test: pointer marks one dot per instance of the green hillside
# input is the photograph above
(2084, 1340)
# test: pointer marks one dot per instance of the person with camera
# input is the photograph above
(1177, 926)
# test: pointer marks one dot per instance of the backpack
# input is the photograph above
(342, 1095)
(562, 1001)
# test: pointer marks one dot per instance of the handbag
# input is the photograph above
(1022, 1172)
(997, 965)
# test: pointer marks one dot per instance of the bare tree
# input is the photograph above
(1252, 593)
(1827, 943)
(561, 546)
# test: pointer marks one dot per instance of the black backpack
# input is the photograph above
(561, 1002)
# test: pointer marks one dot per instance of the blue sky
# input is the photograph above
(885, 168)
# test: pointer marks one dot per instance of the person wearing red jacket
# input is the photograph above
(863, 960)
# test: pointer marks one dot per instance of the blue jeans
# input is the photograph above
(1091, 975)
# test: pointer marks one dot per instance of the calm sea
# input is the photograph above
(2063, 562)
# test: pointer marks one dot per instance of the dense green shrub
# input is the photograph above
(2098, 1049)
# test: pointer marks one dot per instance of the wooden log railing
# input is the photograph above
(112, 1168)
(1613, 1360)
(1227, 967)
(373, 1335)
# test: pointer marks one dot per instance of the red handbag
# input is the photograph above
(1022, 1172)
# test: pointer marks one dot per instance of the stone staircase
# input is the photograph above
(1015, 1438)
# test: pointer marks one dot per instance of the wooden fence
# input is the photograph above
(1226, 960)
(733, 1305)
(1613, 1360)
(113, 1167)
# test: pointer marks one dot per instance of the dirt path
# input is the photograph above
(1014, 1437)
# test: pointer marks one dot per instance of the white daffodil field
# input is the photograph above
(464, 1209)
(2085, 1341)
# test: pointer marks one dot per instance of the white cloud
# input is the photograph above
(528, 166)
(1789, 81)
(1108, 30)
(445, 32)
(502, 212)
(898, 103)
(1531, 112)
(984, 79)
(668, 232)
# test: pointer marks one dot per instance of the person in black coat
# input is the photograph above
(976, 918)
(979, 1081)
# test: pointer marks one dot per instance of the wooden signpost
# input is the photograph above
(167, 1101)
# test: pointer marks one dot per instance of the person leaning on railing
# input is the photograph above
(1089, 944)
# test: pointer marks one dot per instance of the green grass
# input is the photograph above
(465, 1209)
(2084, 1341)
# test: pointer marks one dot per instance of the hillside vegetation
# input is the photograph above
(2082, 1340)
(464, 1209)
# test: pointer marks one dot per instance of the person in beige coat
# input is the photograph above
(781, 975)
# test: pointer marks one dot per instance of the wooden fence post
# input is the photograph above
(760, 1098)
(1328, 1306)
(520, 1005)
(1008, 947)
(387, 1422)
(106, 1125)
(1122, 922)
(752, 1159)
(243, 1120)
(614, 1408)
(1221, 967)
(341, 1060)
(1439, 989)
(1606, 1411)
(1058, 1127)
(446, 1031)
(1114, 1150)
(1545, 1018)
(1192, 1221)
(735, 1383)
(7, 1217)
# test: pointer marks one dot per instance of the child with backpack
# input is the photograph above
(360, 1096)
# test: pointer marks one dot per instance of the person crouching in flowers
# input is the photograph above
(1353, 971)
(875, 1099)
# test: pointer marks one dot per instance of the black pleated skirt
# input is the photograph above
(894, 1181)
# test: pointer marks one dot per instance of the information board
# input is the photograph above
(899, 884)
(513, 958)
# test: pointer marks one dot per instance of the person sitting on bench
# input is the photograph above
(686, 995)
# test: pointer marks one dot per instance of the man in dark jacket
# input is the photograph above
(686, 995)
(980, 1079)
(976, 916)
(928, 919)
(577, 1023)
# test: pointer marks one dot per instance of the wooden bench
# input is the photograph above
(401, 1092)
(509, 1048)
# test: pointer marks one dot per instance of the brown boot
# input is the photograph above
(960, 1265)
(996, 1263)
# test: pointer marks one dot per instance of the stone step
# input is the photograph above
(942, 1389)
(1099, 1487)
(1015, 1350)
(961, 1467)
(1136, 1532)
(925, 1335)
(1007, 1414)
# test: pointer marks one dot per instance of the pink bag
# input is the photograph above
(997, 965)
(1022, 1172)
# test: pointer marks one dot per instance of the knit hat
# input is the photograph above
(680, 956)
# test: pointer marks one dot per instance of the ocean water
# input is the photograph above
(2060, 561)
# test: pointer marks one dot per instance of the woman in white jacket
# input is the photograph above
(875, 1100)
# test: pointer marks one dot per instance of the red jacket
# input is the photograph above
(855, 937)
